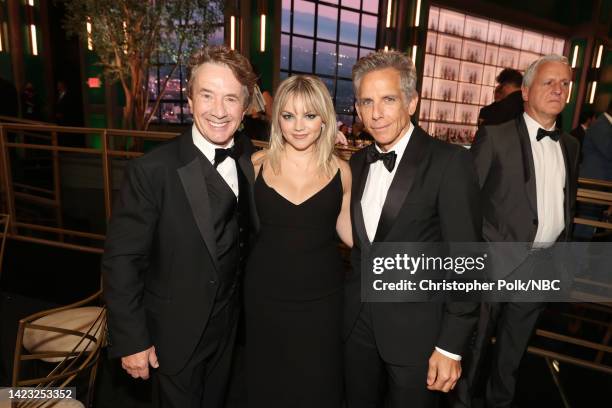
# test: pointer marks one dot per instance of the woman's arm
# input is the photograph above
(343, 224)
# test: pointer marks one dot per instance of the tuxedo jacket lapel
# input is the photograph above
(567, 190)
(193, 176)
(402, 182)
(361, 179)
(245, 164)
(528, 166)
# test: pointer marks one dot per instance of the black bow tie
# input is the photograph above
(553, 134)
(388, 159)
(222, 154)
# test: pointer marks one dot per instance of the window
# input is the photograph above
(326, 38)
(173, 107)
(463, 56)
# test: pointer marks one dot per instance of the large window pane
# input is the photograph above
(352, 3)
(153, 82)
(344, 97)
(326, 58)
(187, 116)
(173, 88)
(347, 57)
(330, 45)
(284, 57)
(329, 83)
(301, 59)
(171, 112)
(286, 16)
(174, 108)
(371, 6)
(303, 17)
(368, 31)
(216, 38)
(327, 23)
(349, 27)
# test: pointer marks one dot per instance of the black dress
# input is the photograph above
(293, 301)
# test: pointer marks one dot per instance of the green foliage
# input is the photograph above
(130, 35)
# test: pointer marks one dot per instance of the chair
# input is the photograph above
(71, 339)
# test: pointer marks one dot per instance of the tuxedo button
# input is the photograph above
(535, 221)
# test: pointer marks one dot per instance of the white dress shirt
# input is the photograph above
(550, 183)
(227, 168)
(375, 193)
(378, 183)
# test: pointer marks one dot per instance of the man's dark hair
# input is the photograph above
(510, 76)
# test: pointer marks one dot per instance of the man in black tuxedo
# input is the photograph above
(528, 172)
(510, 104)
(177, 241)
(407, 187)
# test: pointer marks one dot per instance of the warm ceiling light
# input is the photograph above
(33, 38)
(89, 38)
(414, 54)
(262, 34)
(417, 15)
(389, 8)
(386, 48)
(599, 53)
(31, 3)
(569, 92)
(233, 32)
(593, 89)
(575, 57)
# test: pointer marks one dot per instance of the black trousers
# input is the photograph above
(372, 382)
(203, 382)
(515, 325)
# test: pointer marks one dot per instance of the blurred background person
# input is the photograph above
(587, 117)
(256, 123)
(31, 107)
(360, 135)
(596, 164)
(510, 103)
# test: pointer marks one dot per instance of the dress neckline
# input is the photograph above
(329, 183)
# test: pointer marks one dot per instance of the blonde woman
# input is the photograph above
(294, 275)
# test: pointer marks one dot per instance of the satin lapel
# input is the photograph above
(193, 177)
(245, 164)
(528, 166)
(567, 190)
(360, 181)
(402, 182)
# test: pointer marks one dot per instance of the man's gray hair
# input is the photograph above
(387, 59)
(533, 67)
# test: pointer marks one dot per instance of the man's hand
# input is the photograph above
(137, 365)
(443, 372)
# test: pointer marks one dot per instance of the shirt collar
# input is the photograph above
(400, 146)
(533, 126)
(207, 148)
